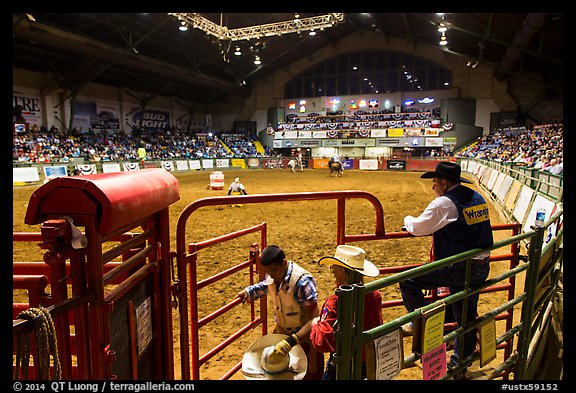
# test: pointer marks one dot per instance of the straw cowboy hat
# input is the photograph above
(446, 170)
(292, 368)
(353, 258)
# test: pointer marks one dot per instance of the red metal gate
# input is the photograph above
(111, 301)
(117, 322)
(187, 255)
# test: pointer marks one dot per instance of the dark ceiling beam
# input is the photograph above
(409, 30)
(532, 25)
(60, 39)
(492, 40)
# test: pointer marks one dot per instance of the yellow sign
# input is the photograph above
(433, 332)
(238, 163)
(476, 214)
(487, 342)
(395, 132)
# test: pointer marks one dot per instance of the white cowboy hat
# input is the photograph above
(294, 369)
(353, 258)
(237, 180)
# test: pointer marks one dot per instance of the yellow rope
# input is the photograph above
(45, 341)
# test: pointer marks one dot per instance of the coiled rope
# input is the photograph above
(46, 342)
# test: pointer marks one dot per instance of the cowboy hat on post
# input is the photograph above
(446, 170)
(352, 258)
(293, 369)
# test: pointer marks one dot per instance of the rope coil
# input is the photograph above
(45, 334)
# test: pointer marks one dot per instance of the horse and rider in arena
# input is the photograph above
(336, 167)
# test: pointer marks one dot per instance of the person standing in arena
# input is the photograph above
(299, 162)
(349, 266)
(142, 155)
(293, 292)
(459, 220)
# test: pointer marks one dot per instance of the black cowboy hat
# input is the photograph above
(446, 170)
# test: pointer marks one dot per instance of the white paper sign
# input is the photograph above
(144, 325)
(388, 353)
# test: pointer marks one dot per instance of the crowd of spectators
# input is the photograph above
(53, 145)
(365, 120)
(538, 147)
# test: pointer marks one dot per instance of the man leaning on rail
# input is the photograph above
(459, 221)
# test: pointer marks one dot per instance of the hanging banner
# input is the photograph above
(30, 108)
(96, 116)
(151, 120)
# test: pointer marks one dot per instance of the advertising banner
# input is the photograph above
(96, 116)
(30, 108)
(151, 120)
(396, 165)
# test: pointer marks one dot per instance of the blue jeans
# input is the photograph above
(453, 277)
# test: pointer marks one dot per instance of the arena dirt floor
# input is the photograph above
(305, 229)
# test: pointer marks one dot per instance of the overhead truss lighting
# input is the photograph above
(296, 25)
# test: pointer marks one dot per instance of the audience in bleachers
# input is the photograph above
(362, 120)
(52, 145)
(539, 147)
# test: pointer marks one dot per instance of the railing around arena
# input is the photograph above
(541, 271)
(187, 254)
(543, 268)
(548, 184)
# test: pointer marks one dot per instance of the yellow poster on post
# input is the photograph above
(487, 342)
(433, 328)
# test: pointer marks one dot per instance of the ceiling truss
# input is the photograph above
(297, 25)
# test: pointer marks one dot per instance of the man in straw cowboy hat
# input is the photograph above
(459, 220)
(349, 266)
(294, 295)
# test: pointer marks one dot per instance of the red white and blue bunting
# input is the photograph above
(332, 134)
(86, 169)
(131, 166)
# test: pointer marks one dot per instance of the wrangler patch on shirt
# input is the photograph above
(476, 214)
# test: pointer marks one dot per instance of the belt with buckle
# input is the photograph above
(480, 262)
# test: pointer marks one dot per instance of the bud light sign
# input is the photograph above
(151, 120)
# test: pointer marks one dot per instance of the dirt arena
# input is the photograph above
(306, 230)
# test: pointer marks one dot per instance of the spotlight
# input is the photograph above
(257, 60)
(237, 52)
(443, 40)
(183, 26)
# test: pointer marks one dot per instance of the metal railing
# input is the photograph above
(350, 337)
